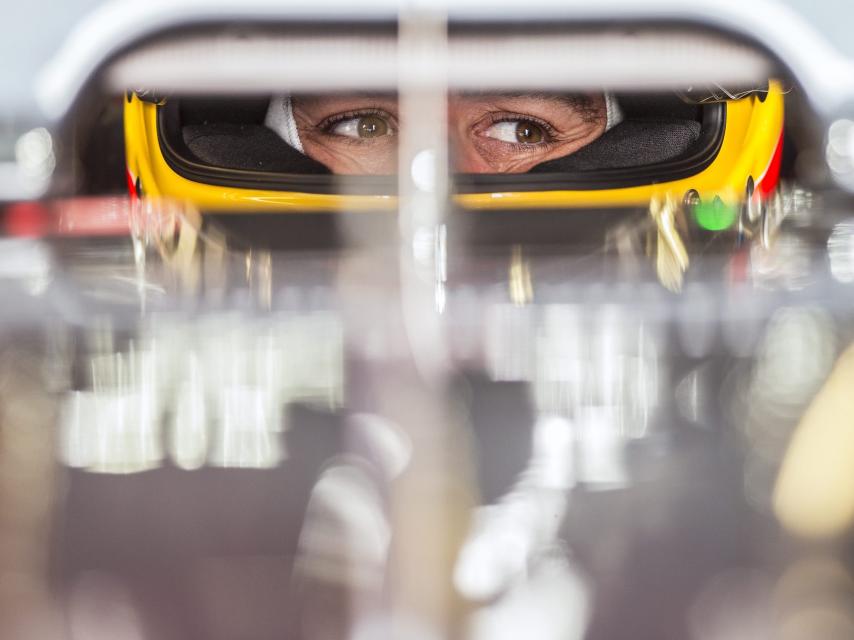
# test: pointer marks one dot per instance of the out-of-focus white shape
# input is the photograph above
(814, 493)
(441, 297)
(785, 264)
(115, 427)
(226, 377)
(839, 151)
(246, 436)
(494, 556)
(553, 454)
(423, 170)
(600, 448)
(77, 416)
(799, 206)
(734, 605)
(562, 365)
(35, 155)
(793, 359)
(608, 349)
(345, 537)
(612, 364)
(26, 261)
(552, 604)
(697, 317)
(311, 368)
(840, 251)
(393, 625)
(267, 362)
(790, 364)
(110, 432)
(742, 321)
(688, 396)
(188, 438)
(28, 175)
(423, 246)
(441, 267)
(506, 537)
(795, 356)
(509, 337)
(102, 608)
(387, 444)
(642, 384)
(441, 253)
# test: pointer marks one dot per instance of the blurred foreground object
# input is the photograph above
(595, 400)
(814, 495)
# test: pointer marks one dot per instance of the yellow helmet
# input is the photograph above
(733, 148)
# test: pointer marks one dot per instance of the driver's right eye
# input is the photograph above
(367, 126)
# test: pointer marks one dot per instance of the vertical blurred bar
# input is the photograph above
(27, 482)
(423, 150)
(428, 504)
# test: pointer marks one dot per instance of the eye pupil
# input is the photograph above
(528, 132)
(372, 127)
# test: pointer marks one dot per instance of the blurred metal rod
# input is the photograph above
(645, 59)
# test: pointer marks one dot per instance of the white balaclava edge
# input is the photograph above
(613, 113)
(280, 118)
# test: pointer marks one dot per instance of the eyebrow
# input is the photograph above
(577, 101)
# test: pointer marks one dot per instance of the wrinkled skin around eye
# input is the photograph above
(331, 129)
(496, 133)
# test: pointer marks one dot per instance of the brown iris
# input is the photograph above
(372, 127)
(528, 133)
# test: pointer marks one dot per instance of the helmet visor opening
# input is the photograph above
(330, 143)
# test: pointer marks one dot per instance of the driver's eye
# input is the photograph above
(518, 131)
(368, 126)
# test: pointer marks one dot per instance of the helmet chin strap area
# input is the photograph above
(613, 113)
(280, 118)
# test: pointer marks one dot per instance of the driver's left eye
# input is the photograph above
(516, 131)
(367, 126)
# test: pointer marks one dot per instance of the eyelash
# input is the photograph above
(329, 123)
(326, 125)
(548, 129)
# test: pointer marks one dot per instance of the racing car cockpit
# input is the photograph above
(429, 323)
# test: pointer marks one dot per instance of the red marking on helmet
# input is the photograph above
(771, 178)
(131, 185)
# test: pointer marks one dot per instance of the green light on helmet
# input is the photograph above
(716, 215)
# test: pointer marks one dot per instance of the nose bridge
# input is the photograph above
(462, 155)
(457, 147)
(455, 136)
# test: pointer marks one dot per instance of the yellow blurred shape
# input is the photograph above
(671, 256)
(521, 288)
(814, 492)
